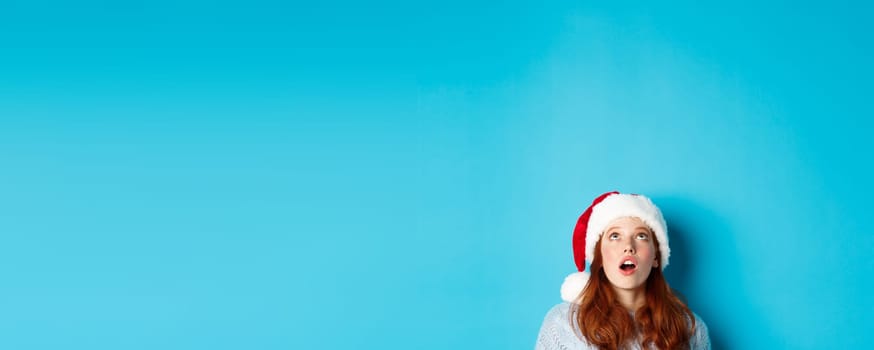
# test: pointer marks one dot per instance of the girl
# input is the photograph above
(626, 303)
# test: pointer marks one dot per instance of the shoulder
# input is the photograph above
(701, 338)
(558, 318)
(562, 315)
(556, 332)
(561, 310)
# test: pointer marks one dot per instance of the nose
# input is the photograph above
(629, 248)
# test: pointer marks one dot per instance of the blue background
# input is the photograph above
(394, 175)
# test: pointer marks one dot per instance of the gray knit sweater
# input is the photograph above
(556, 333)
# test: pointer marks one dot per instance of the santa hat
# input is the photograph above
(604, 209)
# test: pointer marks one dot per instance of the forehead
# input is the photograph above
(628, 222)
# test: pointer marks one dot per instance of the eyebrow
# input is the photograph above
(635, 229)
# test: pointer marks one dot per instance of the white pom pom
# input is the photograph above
(573, 285)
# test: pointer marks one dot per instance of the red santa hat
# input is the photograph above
(592, 223)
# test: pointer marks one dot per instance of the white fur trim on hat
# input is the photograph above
(573, 285)
(621, 205)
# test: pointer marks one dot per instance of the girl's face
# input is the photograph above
(628, 253)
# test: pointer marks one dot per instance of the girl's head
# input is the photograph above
(628, 253)
(631, 236)
(624, 239)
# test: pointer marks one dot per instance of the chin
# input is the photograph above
(629, 286)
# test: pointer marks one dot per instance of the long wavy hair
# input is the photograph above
(664, 322)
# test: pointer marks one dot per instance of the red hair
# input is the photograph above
(664, 322)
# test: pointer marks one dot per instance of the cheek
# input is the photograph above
(606, 253)
(648, 250)
(610, 256)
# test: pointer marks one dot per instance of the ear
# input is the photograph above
(655, 262)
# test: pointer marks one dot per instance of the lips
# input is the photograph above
(628, 265)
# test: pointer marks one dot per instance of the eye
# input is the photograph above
(613, 236)
(641, 236)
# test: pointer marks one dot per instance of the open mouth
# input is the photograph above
(627, 266)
